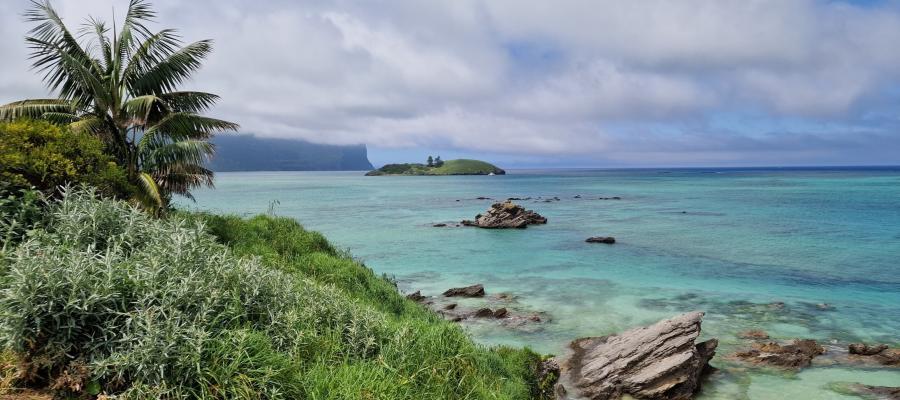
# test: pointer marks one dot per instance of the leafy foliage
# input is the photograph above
(106, 299)
(123, 89)
(45, 156)
(21, 210)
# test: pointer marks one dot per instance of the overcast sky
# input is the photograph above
(541, 83)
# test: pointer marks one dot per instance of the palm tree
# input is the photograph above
(121, 87)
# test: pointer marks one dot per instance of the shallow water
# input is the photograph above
(725, 241)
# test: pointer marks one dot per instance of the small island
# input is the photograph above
(436, 166)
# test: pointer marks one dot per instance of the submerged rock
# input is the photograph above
(661, 361)
(865, 349)
(506, 215)
(795, 355)
(601, 239)
(875, 354)
(468, 291)
(440, 225)
(754, 334)
(868, 392)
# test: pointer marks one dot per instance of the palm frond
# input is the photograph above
(35, 108)
(149, 190)
(51, 42)
(139, 108)
(154, 49)
(171, 71)
(181, 178)
(184, 126)
(181, 152)
(190, 102)
(90, 124)
(98, 30)
(61, 118)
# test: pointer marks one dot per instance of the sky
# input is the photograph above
(557, 83)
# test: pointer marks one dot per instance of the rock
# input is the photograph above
(871, 392)
(506, 215)
(577, 196)
(483, 313)
(483, 198)
(754, 334)
(416, 296)
(601, 239)
(468, 291)
(875, 354)
(825, 307)
(866, 350)
(661, 361)
(778, 305)
(500, 313)
(439, 225)
(795, 355)
(450, 306)
(547, 376)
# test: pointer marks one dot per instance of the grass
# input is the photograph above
(450, 167)
(106, 300)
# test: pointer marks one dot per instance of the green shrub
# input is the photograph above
(21, 210)
(105, 299)
(40, 154)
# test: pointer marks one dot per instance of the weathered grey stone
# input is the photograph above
(661, 361)
(506, 215)
(468, 291)
(794, 355)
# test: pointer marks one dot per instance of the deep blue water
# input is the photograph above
(725, 241)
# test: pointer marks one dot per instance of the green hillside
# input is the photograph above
(449, 167)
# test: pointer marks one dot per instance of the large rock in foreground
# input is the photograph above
(506, 215)
(661, 361)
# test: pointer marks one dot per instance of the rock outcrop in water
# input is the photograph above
(661, 361)
(468, 291)
(875, 354)
(868, 392)
(794, 355)
(506, 215)
(601, 239)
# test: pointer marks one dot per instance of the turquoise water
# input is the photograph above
(725, 241)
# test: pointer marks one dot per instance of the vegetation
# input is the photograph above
(122, 89)
(103, 299)
(440, 167)
(44, 156)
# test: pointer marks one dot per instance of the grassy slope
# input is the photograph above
(105, 299)
(431, 358)
(450, 167)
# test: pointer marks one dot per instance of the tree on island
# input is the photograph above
(122, 88)
(438, 162)
(430, 161)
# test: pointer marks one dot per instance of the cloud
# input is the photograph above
(600, 80)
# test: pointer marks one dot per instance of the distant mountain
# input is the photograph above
(251, 153)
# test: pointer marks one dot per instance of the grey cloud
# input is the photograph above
(407, 73)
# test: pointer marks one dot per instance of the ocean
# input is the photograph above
(730, 242)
